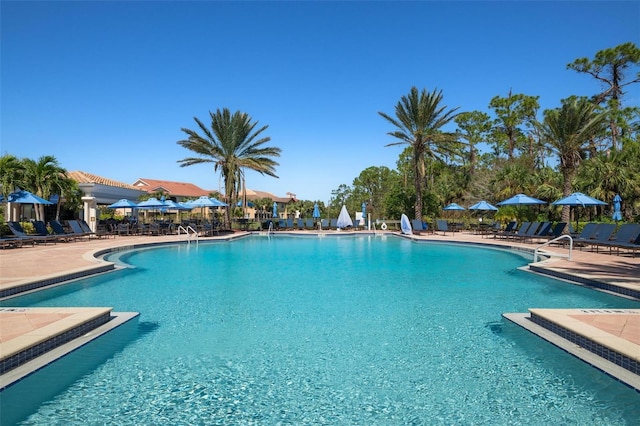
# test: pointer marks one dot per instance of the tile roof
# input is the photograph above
(181, 189)
(84, 177)
(256, 195)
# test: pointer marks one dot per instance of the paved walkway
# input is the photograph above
(20, 266)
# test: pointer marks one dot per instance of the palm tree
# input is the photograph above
(232, 144)
(42, 178)
(419, 116)
(11, 176)
(567, 131)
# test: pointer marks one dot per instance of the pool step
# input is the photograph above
(605, 338)
(28, 333)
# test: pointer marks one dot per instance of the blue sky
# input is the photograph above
(105, 87)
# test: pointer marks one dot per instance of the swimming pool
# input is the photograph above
(346, 330)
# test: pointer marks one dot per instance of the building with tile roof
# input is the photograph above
(178, 190)
(99, 190)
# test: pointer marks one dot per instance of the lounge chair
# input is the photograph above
(309, 223)
(515, 232)
(87, 229)
(633, 246)
(15, 241)
(544, 230)
(16, 229)
(627, 233)
(442, 226)
(333, 224)
(59, 230)
(77, 230)
(555, 231)
(586, 233)
(300, 224)
(529, 233)
(417, 225)
(41, 229)
(602, 234)
(497, 231)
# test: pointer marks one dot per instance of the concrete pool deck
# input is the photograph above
(28, 268)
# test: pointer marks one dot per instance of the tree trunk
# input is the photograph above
(566, 190)
(418, 167)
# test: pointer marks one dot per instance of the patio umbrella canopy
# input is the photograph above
(521, 200)
(316, 211)
(26, 197)
(483, 205)
(578, 199)
(151, 203)
(275, 209)
(453, 206)
(617, 214)
(123, 204)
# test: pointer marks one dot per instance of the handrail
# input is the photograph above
(186, 231)
(565, 236)
(270, 230)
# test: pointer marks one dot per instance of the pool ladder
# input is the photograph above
(561, 237)
(190, 233)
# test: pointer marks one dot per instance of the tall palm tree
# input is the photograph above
(419, 117)
(41, 178)
(232, 144)
(567, 132)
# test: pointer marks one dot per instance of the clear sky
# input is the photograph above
(105, 87)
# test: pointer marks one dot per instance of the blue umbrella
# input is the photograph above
(123, 204)
(275, 209)
(483, 205)
(521, 200)
(205, 201)
(453, 206)
(364, 209)
(316, 211)
(26, 197)
(172, 205)
(578, 199)
(151, 203)
(617, 215)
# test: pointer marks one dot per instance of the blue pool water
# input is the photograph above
(338, 331)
